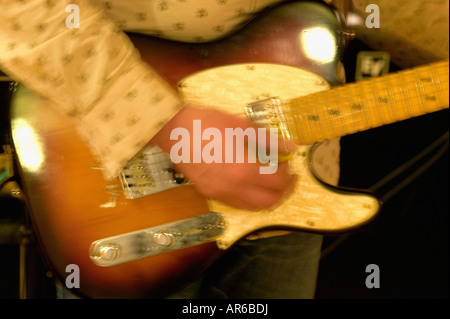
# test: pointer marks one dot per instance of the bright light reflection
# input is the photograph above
(319, 44)
(27, 145)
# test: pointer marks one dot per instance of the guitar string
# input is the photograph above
(422, 106)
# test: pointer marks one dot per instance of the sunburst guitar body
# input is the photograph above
(129, 243)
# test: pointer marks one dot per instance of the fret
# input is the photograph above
(302, 128)
(379, 101)
(426, 85)
(410, 97)
(393, 100)
(367, 105)
(336, 112)
(391, 107)
(384, 100)
(437, 93)
(430, 96)
(288, 113)
(320, 120)
(432, 91)
(420, 90)
(327, 121)
(306, 129)
(359, 108)
(309, 118)
(406, 96)
(396, 88)
(317, 116)
(354, 110)
(436, 84)
(344, 114)
(445, 89)
(442, 79)
(311, 128)
(426, 82)
(298, 121)
(313, 117)
(368, 94)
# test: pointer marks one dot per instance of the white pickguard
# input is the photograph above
(312, 206)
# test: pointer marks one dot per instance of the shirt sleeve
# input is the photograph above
(93, 74)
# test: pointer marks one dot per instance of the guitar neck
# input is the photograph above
(369, 104)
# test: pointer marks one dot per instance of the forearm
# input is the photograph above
(92, 74)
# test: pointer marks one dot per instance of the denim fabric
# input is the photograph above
(282, 267)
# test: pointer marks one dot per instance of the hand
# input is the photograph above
(236, 184)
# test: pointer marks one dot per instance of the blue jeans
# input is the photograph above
(282, 267)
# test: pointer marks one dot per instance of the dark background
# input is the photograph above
(408, 241)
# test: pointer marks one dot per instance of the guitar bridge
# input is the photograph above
(149, 172)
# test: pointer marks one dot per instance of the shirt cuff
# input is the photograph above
(121, 124)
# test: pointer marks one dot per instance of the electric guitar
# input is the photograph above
(150, 231)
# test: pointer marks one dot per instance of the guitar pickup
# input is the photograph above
(149, 172)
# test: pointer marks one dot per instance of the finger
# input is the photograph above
(257, 198)
(267, 191)
(238, 193)
(272, 135)
(278, 181)
(233, 195)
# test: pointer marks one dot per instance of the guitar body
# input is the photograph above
(72, 206)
